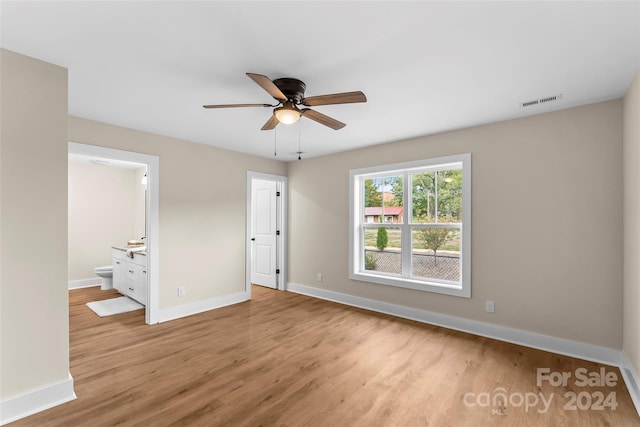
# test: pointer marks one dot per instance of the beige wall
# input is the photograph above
(105, 204)
(202, 208)
(34, 318)
(632, 223)
(139, 222)
(547, 222)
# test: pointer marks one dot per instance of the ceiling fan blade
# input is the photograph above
(322, 119)
(335, 98)
(271, 123)
(265, 83)
(237, 105)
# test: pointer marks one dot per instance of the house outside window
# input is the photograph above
(410, 225)
(392, 214)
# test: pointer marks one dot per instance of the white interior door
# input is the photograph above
(264, 233)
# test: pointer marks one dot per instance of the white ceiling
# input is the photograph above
(426, 67)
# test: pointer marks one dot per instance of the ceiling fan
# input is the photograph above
(289, 93)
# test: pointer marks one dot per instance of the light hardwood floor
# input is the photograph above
(284, 359)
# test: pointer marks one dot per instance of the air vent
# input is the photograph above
(541, 100)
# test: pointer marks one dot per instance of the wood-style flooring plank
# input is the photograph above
(284, 359)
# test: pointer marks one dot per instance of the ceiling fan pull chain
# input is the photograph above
(299, 150)
(275, 142)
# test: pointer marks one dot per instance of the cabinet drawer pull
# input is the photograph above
(130, 271)
(117, 262)
(144, 271)
(130, 289)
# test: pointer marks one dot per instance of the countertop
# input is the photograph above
(128, 248)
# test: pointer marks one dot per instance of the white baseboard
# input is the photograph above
(85, 283)
(577, 349)
(21, 406)
(594, 353)
(631, 379)
(196, 307)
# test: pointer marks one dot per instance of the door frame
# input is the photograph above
(152, 308)
(281, 215)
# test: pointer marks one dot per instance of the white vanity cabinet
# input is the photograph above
(119, 269)
(136, 282)
(130, 275)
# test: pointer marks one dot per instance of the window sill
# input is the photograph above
(419, 285)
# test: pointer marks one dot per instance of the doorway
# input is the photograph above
(151, 214)
(266, 231)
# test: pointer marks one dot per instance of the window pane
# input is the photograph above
(383, 200)
(449, 195)
(383, 250)
(436, 253)
(392, 200)
(372, 201)
(423, 197)
(443, 205)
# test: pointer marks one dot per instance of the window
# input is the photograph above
(410, 225)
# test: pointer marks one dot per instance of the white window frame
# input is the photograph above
(356, 220)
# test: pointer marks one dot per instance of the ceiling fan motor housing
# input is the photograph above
(292, 88)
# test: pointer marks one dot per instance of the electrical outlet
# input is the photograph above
(490, 306)
(181, 291)
(319, 277)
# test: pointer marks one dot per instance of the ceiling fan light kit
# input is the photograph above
(289, 93)
(287, 114)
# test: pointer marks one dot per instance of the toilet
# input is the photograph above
(106, 273)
